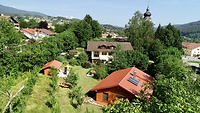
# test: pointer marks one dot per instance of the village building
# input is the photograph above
(111, 35)
(47, 67)
(36, 33)
(191, 49)
(125, 83)
(101, 50)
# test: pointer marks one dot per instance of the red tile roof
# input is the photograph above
(32, 31)
(120, 78)
(54, 63)
(190, 46)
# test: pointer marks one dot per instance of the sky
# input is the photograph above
(114, 12)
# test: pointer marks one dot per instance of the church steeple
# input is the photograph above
(147, 14)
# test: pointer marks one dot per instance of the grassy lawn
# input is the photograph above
(193, 61)
(37, 101)
(86, 83)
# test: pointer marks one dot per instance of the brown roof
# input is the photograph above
(73, 51)
(46, 32)
(54, 63)
(32, 31)
(120, 78)
(190, 46)
(94, 45)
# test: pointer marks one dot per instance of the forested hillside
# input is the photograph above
(190, 30)
(13, 11)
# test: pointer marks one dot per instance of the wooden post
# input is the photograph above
(9, 93)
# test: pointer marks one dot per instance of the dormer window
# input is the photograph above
(103, 46)
(112, 47)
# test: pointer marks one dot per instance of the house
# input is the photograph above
(47, 67)
(125, 83)
(12, 20)
(100, 50)
(36, 33)
(112, 35)
(191, 49)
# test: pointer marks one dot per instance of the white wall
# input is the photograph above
(101, 57)
(195, 51)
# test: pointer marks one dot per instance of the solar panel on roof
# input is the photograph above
(133, 81)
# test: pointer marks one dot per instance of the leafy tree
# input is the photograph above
(154, 49)
(76, 97)
(10, 40)
(83, 32)
(123, 106)
(125, 59)
(82, 57)
(66, 41)
(54, 78)
(43, 24)
(101, 71)
(23, 24)
(96, 28)
(169, 36)
(32, 23)
(137, 30)
(88, 19)
(70, 55)
(61, 27)
(72, 79)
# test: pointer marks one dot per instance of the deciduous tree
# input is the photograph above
(137, 30)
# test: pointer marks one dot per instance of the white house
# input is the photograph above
(100, 50)
(191, 49)
(36, 33)
(113, 35)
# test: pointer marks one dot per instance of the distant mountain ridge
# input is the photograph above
(14, 11)
(191, 30)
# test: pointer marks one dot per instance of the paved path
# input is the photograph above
(187, 58)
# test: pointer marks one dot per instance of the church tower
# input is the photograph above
(147, 14)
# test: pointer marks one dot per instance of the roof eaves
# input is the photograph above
(93, 89)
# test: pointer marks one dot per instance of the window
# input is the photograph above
(104, 53)
(96, 54)
(105, 96)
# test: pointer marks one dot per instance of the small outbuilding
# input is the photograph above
(47, 67)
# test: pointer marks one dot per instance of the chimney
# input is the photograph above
(134, 73)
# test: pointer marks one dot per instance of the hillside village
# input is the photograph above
(60, 66)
